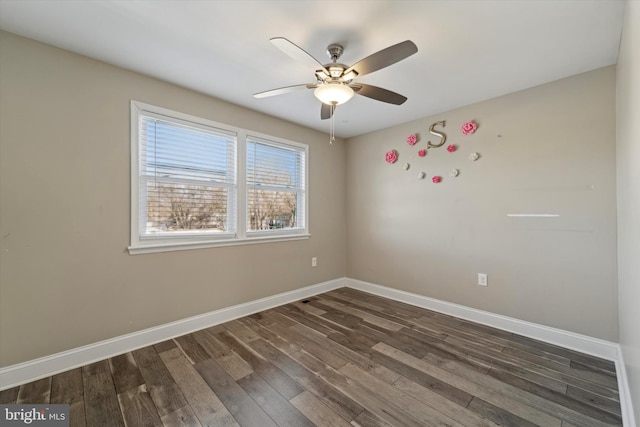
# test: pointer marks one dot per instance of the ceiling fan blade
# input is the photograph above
(383, 58)
(297, 53)
(282, 90)
(379, 94)
(326, 111)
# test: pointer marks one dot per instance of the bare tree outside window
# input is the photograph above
(272, 194)
(179, 207)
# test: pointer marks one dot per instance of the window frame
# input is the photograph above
(287, 145)
(185, 241)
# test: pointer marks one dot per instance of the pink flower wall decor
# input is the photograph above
(412, 139)
(436, 179)
(391, 156)
(469, 127)
(451, 148)
(422, 153)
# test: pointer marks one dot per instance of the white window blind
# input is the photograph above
(276, 181)
(187, 178)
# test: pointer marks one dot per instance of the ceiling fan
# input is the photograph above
(335, 82)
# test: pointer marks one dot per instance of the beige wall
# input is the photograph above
(550, 150)
(66, 277)
(628, 167)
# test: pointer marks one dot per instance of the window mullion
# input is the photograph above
(241, 206)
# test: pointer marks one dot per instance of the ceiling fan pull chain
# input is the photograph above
(332, 126)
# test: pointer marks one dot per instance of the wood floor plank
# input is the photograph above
(277, 315)
(399, 341)
(382, 303)
(447, 351)
(348, 354)
(210, 344)
(456, 328)
(416, 368)
(531, 399)
(451, 409)
(497, 360)
(235, 366)
(498, 415)
(380, 309)
(244, 409)
(592, 368)
(589, 398)
(606, 365)
(125, 372)
(9, 396)
(277, 407)
(308, 361)
(304, 306)
(95, 368)
(273, 338)
(316, 411)
(309, 346)
(206, 406)
(190, 347)
(555, 397)
(364, 315)
(100, 399)
(325, 391)
(374, 403)
(164, 346)
(138, 409)
(338, 317)
(594, 374)
(183, 417)
(537, 357)
(216, 329)
(441, 385)
(367, 419)
(317, 323)
(271, 373)
(37, 392)
(556, 377)
(416, 409)
(163, 390)
(241, 331)
(67, 388)
(479, 328)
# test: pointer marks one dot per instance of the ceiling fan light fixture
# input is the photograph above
(349, 76)
(333, 93)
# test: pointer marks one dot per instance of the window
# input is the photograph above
(275, 186)
(196, 183)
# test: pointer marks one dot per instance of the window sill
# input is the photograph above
(184, 246)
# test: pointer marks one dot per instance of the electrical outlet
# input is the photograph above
(314, 262)
(482, 279)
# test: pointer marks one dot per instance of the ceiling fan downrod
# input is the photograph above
(335, 52)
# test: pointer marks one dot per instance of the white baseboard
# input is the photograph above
(50, 365)
(582, 343)
(626, 406)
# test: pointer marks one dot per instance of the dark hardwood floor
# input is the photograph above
(344, 358)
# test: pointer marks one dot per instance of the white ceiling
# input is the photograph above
(468, 50)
